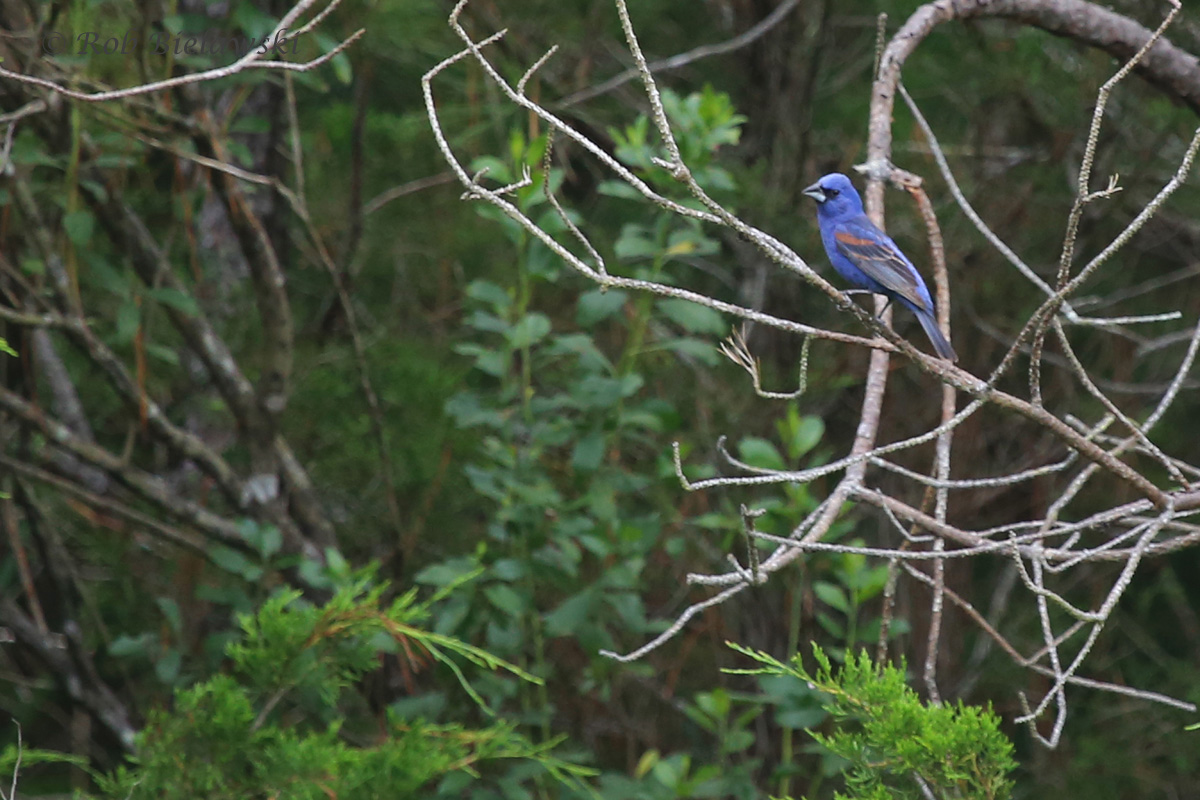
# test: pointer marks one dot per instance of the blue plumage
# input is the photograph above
(867, 258)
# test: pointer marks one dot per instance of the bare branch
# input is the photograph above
(252, 60)
(683, 59)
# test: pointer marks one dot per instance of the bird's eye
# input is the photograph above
(831, 192)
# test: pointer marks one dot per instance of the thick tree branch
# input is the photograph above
(1167, 67)
(73, 668)
(145, 485)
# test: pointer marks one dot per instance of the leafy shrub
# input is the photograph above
(895, 746)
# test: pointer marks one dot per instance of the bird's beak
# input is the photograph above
(815, 193)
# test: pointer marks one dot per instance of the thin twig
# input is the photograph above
(748, 37)
(251, 60)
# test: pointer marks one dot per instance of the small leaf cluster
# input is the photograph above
(702, 122)
(896, 746)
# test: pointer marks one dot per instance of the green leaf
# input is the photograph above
(496, 169)
(597, 305)
(758, 452)
(168, 667)
(799, 434)
(490, 293)
(340, 63)
(504, 598)
(485, 321)
(619, 189)
(532, 328)
(702, 351)
(832, 595)
(164, 354)
(79, 226)
(831, 625)
(690, 242)
(271, 542)
(176, 299)
(629, 609)
(571, 615)
(800, 718)
(101, 273)
(635, 241)
(129, 318)
(737, 741)
(170, 610)
(598, 391)
(581, 346)
(693, 317)
(336, 564)
(446, 572)
(251, 123)
(646, 763)
(589, 452)
(509, 569)
(233, 561)
(487, 360)
(126, 646)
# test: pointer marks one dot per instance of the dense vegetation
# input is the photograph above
(466, 488)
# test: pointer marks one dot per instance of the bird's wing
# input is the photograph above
(879, 259)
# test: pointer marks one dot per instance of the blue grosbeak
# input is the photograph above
(867, 257)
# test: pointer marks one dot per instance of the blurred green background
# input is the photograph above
(530, 417)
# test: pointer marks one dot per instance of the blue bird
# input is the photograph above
(867, 257)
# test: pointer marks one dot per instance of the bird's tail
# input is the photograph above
(929, 323)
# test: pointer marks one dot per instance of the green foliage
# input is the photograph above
(242, 580)
(895, 746)
(851, 582)
(568, 424)
(271, 726)
(573, 458)
(703, 122)
(559, 418)
(565, 397)
(15, 758)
